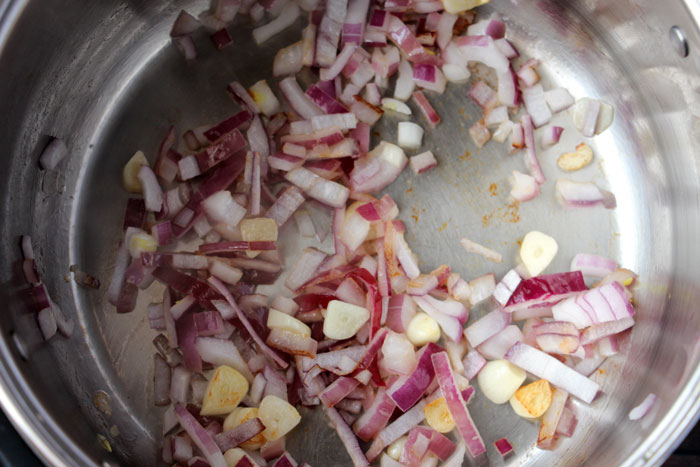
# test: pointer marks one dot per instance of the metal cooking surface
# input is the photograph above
(147, 86)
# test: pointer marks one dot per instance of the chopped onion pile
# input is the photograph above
(361, 330)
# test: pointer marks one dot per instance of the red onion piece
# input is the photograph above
(285, 205)
(296, 98)
(590, 118)
(428, 112)
(181, 448)
(558, 99)
(506, 48)
(496, 347)
(223, 148)
(285, 460)
(292, 343)
(479, 134)
(402, 36)
(337, 391)
(407, 390)
(397, 428)
(165, 166)
(385, 62)
(444, 29)
(221, 288)
(504, 447)
(305, 268)
(289, 60)
(486, 327)
(551, 135)
(286, 18)
(642, 409)
(593, 265)
(545, 290)
(508, 91)
(347, 437)
(161, 381)
(341, 60)
(430, 77)
(54, 153)
(47, 323)
(483, 49)
(599, 331)
(456, 406)
(533, 164)
(365, 111)
(415, 448)
(473, 363)
(488, 27)
(326, 191)
(239, 434)
(536, 106)
(222, 352)
(201, 438)
(567, 423)
(152, 192)
(375, 417)
(544, 366)
(583, 194)
(230, 124)
(221, 39)
(184, 25)
(550, 419)
(487, 253)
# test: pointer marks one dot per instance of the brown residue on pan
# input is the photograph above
(508, 213)
(493, 189)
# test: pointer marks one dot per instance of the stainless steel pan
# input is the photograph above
(105, 77)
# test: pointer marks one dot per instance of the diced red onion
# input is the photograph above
(479, 134)
(473, 363)
(296, 98)
(496, 347)
(544, 366)
(428, 111)
(483, 49)
(184, 25)
(567, 423)
(238, 120)
(642, 409)
(47, 323)
(550, 419)
(488, 27)
(221, 38)
(583, 194)
(558, 99)
(593, 265)
(286, 18)
(347, 437)
(397, 428)
(407, 390)
(599, 331)
(404, 83)
(506, 48)
(504, 447)
(54, 153)
(152, 192)
(551, 135)
(200, 437)
(590, 118)
(456, 406)
(486, 327)
(533, 164)
(481, 288)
